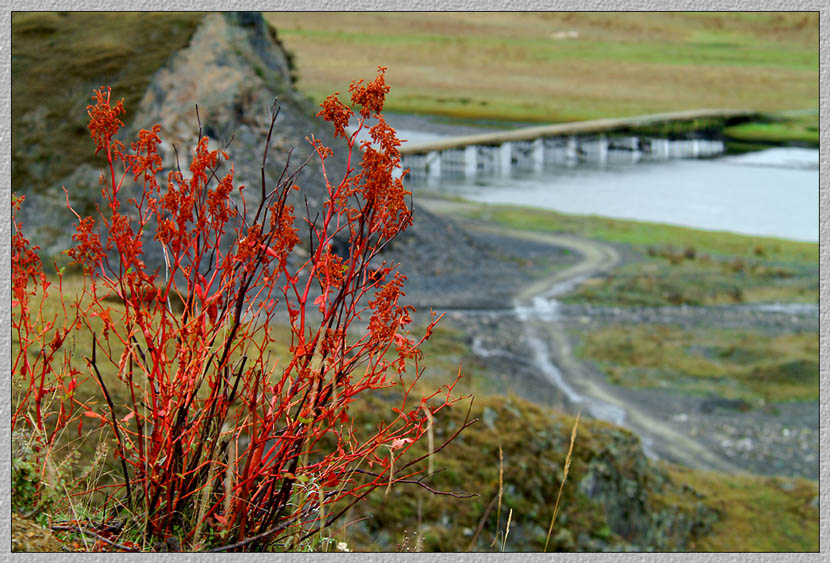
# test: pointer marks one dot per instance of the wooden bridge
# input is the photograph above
(598, 140)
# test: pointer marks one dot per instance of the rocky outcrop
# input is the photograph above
(234, 67)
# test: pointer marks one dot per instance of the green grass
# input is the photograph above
(736, 364)
(757, 514)
(782, 128)
(559, 66)
(745, 51)
(699, 280)
(643, 234)
(672, 265)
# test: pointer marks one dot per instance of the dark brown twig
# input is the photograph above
(420, 483)
(114, 424)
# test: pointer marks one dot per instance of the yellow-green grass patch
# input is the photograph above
(643, 234)
(739, 364)
(757, 514)
(548, 67)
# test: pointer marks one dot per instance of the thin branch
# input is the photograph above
(466, 424)
(80, 530)
(114, 424)
(420, 483)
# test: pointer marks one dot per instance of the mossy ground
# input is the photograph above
(681, 277)
(757, 514)
(773, 514)
(736, 364)
(671, 265)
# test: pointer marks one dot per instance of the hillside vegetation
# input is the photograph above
(57, 62)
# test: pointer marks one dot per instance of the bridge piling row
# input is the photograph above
(544, 153)
(600, 141)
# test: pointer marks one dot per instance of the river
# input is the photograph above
(773, 192)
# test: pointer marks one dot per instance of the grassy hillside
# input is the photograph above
(613, 497)
(512, 459)
(559, 66)
(58, 58)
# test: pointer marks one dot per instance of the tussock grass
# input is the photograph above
(738, 364)
(564, 478)
(757, 514)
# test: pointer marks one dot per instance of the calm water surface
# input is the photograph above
(773, 192)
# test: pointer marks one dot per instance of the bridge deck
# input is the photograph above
(575, 128)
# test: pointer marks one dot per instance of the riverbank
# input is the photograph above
(741, 465)
(708, 429)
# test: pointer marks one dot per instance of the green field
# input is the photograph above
(559, 66)
(671, 265)
(502, 67)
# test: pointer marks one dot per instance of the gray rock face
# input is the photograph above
(234, 67)
(620, 479)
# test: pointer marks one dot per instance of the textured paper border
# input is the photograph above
(412, 5)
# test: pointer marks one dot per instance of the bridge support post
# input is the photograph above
(602, 149)
(571, 155)
(470, 161)
(660, 148)
(538, 154)
(505, 158)
(433, 164)
(634, 145)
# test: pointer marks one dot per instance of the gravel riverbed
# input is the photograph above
(771, 439)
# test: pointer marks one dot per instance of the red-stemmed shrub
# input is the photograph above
(213, 432)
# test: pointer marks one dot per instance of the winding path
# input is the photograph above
(545, 334)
